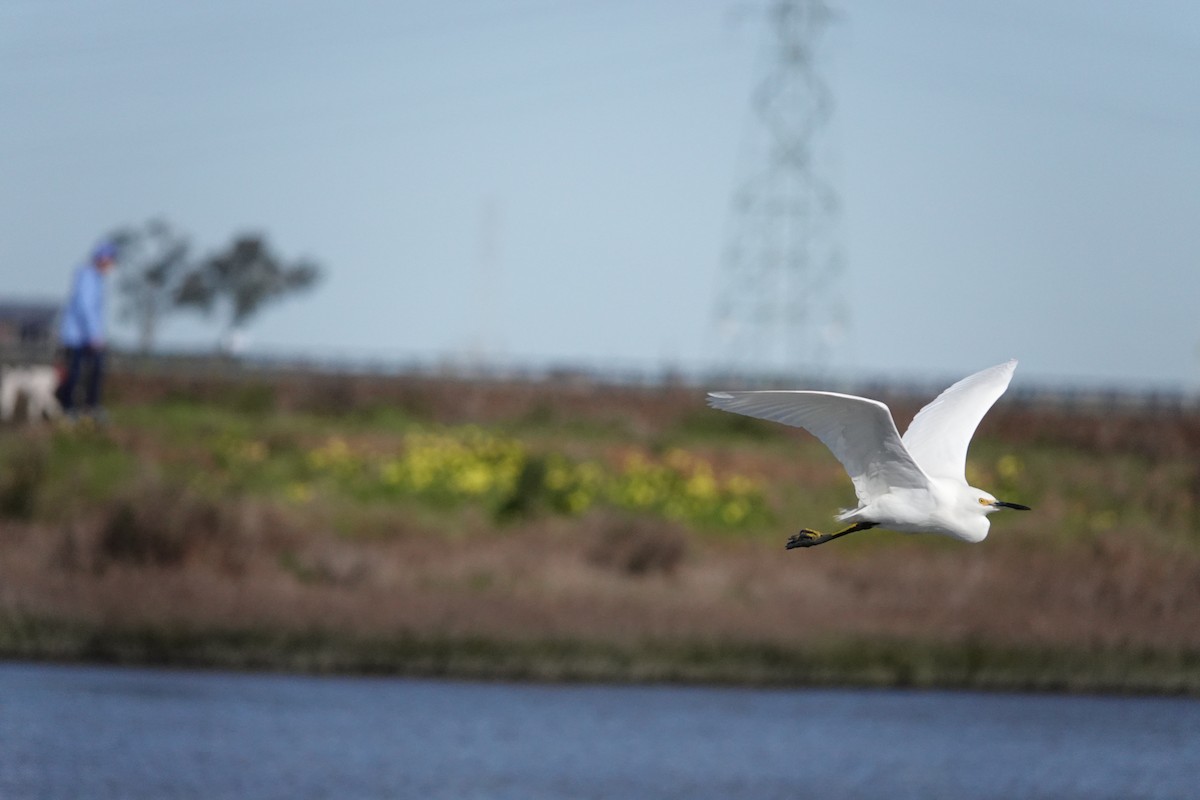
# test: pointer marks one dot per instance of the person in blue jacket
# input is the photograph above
(82, 332)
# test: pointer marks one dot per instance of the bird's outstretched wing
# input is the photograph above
(939, 435)
(860, 432)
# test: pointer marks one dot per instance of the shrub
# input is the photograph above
(637, 546)
(161, 524)
(22, 475)
(528, 492)
(156, 525)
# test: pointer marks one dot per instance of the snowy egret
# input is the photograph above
(914, 484)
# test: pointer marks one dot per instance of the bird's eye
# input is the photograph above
(983, 501)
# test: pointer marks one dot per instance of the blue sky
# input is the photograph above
(549, 182)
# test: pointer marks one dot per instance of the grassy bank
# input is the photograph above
(834, 663)
(582, 533)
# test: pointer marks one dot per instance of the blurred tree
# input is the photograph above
(242, 279)
(153, 261)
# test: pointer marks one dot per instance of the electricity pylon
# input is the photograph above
(779, 305)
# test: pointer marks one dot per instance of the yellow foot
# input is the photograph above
(806, 538)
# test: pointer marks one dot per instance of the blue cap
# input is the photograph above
(105, 250)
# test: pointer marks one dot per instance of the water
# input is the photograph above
(101, 733)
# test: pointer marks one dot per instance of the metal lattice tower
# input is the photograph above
(779, 306)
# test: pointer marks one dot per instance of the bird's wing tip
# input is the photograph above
(715, 399)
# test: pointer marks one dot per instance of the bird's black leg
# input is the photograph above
(809, 538)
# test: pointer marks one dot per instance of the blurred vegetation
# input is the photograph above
(310, 462)
(711, 478)
(570, 533)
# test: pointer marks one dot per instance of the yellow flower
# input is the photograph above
(299, 493)
(702, 484)
(578, 501)
(392, 473)
(475, 479)
(334, 454)
(557, 477)
(740, 484)
(641, 493)
(734, 512)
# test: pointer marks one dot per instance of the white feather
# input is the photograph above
(940, 433)
(859, 432)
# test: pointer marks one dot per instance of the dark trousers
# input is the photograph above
(79, 360)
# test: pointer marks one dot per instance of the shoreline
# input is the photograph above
(845, 663)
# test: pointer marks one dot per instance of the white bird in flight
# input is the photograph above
(914, 484)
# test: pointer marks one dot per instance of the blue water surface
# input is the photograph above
(108, 733)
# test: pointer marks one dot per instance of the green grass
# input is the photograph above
(243, 448)
(50, 477)
(847, 662)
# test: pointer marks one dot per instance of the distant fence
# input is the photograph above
(1095, 399)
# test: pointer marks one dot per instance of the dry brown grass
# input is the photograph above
(556, 578)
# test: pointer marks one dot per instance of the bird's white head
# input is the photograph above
(985, 503)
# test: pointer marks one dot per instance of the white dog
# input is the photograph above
(37, 383)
